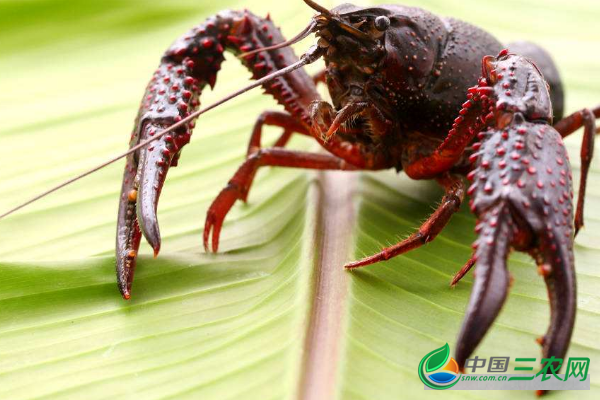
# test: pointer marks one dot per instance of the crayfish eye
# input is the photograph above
(382, 23)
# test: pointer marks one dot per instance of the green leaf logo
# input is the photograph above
(437, 358)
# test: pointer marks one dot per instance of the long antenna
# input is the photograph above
(318, 7)
(310, 56)
(303, 34)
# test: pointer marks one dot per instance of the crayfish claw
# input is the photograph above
(152, 174)
(523, 199)
(560, 281)
(144, 177)
(491, 282)
(173, 94)
(128, 231)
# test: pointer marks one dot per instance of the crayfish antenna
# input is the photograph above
(310, 28)
(318, 7)
(300, 36)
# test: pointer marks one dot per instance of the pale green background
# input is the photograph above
(232, 326)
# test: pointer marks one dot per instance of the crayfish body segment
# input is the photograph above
(397, 77)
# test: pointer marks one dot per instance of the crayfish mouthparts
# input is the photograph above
(349, 111)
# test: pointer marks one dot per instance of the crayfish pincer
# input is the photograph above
(397, 77)
(522, 196)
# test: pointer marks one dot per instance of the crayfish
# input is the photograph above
(434, 97)
(410, 91)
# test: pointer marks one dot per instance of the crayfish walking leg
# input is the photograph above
(239, 185)
(450, 204)
(568, 125)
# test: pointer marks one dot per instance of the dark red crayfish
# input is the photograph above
(410, 91)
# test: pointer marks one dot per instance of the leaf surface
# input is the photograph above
(242, 323)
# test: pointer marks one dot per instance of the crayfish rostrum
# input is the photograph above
(434, 97)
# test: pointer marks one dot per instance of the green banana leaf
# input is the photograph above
(273, 316)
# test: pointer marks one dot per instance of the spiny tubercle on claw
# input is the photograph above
(132, 196)
(544, 269)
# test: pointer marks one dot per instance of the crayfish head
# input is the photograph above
(353, 40)
(353, 36)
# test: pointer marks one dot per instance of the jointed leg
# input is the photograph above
(568, 125)
(239, 185)
(463, 271)
(283, 120)
(272, 118)
(455, 191)
(345, 156)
